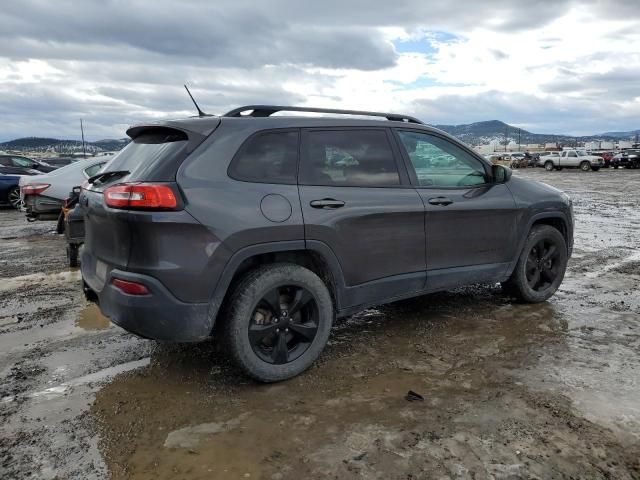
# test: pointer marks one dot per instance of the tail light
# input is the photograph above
(34, 188)
(148, 196)
(130, 288)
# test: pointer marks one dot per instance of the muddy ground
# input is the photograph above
(510, 390)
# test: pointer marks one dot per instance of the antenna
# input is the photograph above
(84, 151)
(200, 112)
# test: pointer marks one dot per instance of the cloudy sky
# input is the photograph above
(549, 66)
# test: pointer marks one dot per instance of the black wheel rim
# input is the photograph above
(284, 324)
(542, 268)
(14, 198)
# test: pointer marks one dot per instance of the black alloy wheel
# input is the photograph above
(277, 321)
(283, 324)
(542, 265)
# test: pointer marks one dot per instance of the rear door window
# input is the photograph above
(269, 157)
(348, 158)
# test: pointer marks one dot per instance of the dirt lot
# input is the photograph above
(510, 391)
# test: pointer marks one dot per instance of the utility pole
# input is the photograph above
(84, 151)
(519, 132)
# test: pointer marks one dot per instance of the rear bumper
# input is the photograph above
(42, 207)
(158, 315)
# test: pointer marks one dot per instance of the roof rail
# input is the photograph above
(267, 110)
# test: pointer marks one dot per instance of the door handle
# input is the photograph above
(442, 201)
(327, 203)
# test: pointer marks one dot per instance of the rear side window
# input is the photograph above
(22, 162)
(355, 158)
(270, 157)
(93, 169)
(148, 148)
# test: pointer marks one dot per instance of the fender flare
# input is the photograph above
(527, 229)
(230, 269)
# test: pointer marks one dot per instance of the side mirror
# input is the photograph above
(500, 173)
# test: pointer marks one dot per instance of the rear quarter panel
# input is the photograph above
(231, 209)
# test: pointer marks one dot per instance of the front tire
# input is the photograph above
(278, 321)
(585, 166)
(541, 266)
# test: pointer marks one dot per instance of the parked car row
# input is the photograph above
(43, 195)
(568, 158)
(513, 159)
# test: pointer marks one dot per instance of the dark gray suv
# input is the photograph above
(268, 227)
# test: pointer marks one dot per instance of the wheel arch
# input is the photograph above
(558, 220)
(316, 256)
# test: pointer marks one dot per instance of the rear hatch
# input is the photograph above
(151, 159)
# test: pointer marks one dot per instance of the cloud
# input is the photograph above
(548, 65)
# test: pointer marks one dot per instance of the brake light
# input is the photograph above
(34, 188)
(141, 195)
(130, 288)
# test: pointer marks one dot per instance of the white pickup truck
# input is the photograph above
(572, 159)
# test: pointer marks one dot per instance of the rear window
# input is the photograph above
(148, 149)
(357, 158)
(270, 157)
(93, 169)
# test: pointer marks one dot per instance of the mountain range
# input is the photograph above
(473, 134)
(40, 144)
(480, 133)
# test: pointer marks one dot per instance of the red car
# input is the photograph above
(606, 156)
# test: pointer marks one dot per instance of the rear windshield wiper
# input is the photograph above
(104, 175)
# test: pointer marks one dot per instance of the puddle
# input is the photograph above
(347, 417)
(90, 318)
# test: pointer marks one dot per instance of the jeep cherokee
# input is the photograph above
(269, 227)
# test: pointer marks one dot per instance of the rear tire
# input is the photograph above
(60, 224)
(595, 169)
(14, 198)
(72, 255)
(541, 266)
(278, 321)
(585, 166)
(548, 166)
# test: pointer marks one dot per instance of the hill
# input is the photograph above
(40, 144)
(494, 130)
(624, 135)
